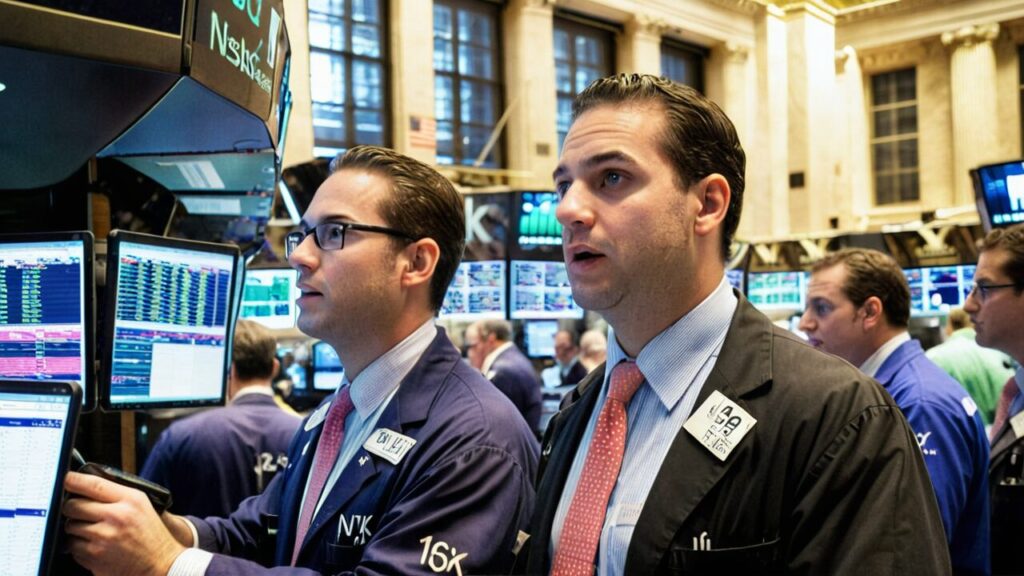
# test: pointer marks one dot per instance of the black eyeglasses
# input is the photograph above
(331, 235)
(982, 290)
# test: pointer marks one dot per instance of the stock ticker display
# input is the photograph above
(41, 311)
(175, 302)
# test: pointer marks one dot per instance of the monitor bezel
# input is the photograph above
(981, 198)
(774, 308)
(114, 241)
(314, 368)
(271, 267)
(524, 315)
(89, 378)
(55, 388)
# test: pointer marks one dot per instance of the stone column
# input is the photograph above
(531, 136)
(973, 95)
(639, 50)
(810, 33)
(412, 75)
(852, 151)
(766, 197)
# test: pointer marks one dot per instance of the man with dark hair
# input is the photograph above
(490, 350)
(711, 441)
(858, 308)
(996, 307)
(981, 371)
(417, 465)
(213, 460)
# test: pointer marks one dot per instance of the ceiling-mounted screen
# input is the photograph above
(477, 292)
(541, 290)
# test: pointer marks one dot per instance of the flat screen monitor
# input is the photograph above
(735, 278)
(537, 225)
(327, 368)
(999, 191)
(37, 432)
(540, 338)
(269, 297)
(541, 290)
(477, 292)
(935, 290)
(46, 309)
(777, 290)
(169, 320)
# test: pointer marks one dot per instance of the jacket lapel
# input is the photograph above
(567, 428)
(689, 470)
(409, 407)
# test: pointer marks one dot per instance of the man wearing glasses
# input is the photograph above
(858, 308)
(997, 310)
(417, 465)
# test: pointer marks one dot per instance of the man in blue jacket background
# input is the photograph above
(428, 467)
(858, 308)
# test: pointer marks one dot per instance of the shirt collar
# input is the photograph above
(249, 390)
(376, 383)
(672, 359)
(875, 361)
(494, 356)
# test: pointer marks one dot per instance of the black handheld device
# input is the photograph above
(158, 495)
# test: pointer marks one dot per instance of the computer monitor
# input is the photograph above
(168, 321)
(540, 338)
(37, 432)
(541, 290)
(477, 292)
(777, 290)
(327, 368)
(735, 277)
(999, 193)
(935, 290)
(47, 329)
(269, 297)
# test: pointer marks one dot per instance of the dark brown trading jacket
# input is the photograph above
(829, 481)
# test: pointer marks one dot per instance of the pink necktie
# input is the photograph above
(1010, 391)
(323, 461)
(581, 531)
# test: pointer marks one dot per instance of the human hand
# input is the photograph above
(114, 529)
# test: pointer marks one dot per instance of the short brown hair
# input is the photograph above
(422, 203)
(872, 273)
(1012, 240)
(253, 351)
(699, 139)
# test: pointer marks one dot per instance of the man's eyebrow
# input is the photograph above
(596, 160)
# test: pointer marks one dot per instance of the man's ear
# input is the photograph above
(421, 261)
(874, 312)
(713, 193)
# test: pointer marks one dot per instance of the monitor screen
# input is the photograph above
(541, 290)
(477, 292)
(735, 278)
(934, 290)
(537, 224)
(269, 297)
(169, 316)
(540, 338)
(999, 190)
(46, 309)
(37, 431)
(327, 368)
(777, 290)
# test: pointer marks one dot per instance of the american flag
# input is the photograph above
(422, 132)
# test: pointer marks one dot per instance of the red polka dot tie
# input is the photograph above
(1010, 391)
(323, 462)
(581, 531)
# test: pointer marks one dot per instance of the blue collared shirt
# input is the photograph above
(675, 364)
(1018, 401)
